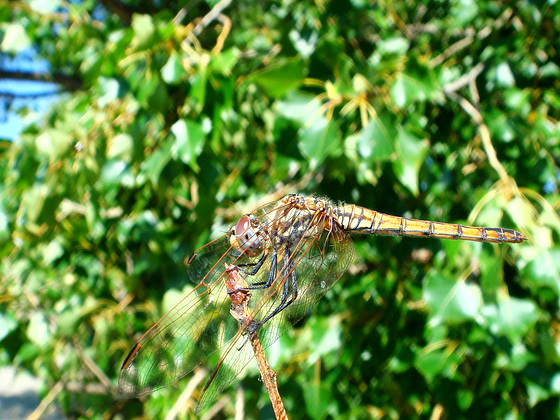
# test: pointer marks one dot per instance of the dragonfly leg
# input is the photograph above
(256, 266)
(289, 283)
(271, 274)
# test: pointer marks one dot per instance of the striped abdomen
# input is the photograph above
(361, 220)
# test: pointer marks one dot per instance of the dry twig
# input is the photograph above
(239, 294)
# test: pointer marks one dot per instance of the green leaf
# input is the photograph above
(52, 251)
(148, 88)
(464, 11)
(45, 6)
(15, 39)
(325, 338)
(173, 72)
(7, 325)
(504, 76)
(157, 160)
(411, 153)
(198, 87)
(416, 83)
(377, 139)
(113, 171)
(54, 143)
(38, 329)
(315, 397)
(173, 296)
(511, 317)
(34, 199)
(450, 300)
(281, 77)
(432, 363)
(394, 45)
(225, 61)
(318, 141)
(4, 220)
(121, 147)
(109, 90)
(544, 269)
(144, 30)
(189, 139)
(298, 106)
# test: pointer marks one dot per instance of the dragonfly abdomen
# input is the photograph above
(361, 220)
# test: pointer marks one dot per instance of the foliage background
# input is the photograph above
(176, 120)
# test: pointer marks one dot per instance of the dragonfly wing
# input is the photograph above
(320, 260)
(237, 355)
(198, 326)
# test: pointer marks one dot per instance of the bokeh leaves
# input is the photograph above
(174, 134)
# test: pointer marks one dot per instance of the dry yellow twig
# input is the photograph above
(239, 294)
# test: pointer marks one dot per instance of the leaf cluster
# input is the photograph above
(442, 110)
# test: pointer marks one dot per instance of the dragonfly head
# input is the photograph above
(245, 239)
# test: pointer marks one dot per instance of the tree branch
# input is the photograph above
(70, 83)
(121, 10)
(239, 294)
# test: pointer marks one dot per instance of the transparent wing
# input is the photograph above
(197, 327)
(304, 255)
(186, 336)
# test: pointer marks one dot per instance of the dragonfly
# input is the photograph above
(288, 254)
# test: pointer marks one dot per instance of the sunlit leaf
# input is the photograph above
(377, 140)
(504, 76)
(544, 269)
(121, 146)
(45, 6)
(112, 171)
(7, 325)
(319, 140)
(281, 77)
(15, 39)
(511, 317)
(109, 89)
(144, 30)
(173, 72)
(299, 106)
(189, 139)
(411, 153)
(452, 301)
(38, 329)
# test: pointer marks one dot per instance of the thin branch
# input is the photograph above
(32, 96)
(121, 10)
(216, 408)
(464, 80)
(70, 83)
(183, 12)
(239, 294)
(92, 366)
(210, 16)
(46, 402)
(486, 141)
(239, 404)
(465, 42)
(186, 394)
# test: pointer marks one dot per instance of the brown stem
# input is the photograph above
(239, 294)
(268, 377)
(70, 83)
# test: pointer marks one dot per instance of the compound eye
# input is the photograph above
(247, 238)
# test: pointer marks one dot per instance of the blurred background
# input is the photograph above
(135, 131)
